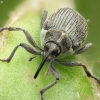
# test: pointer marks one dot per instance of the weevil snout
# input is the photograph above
(51, 50)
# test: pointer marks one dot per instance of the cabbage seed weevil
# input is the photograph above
(62, 34)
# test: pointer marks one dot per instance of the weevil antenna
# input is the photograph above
(41, 65)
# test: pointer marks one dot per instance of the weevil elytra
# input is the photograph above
(62, 34)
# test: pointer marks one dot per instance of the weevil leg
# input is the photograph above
(26, 47)
(77, 63)
(56, 75)
(28, 36)
(83, 49)
(44, 16)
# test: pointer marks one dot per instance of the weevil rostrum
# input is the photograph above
(62, 34)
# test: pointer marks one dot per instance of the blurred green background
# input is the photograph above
(88, 8)
(6, 6)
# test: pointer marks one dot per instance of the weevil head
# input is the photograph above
(56, 42)
(51, 44)
(53, 48)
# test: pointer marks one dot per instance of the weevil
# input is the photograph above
(62, 34)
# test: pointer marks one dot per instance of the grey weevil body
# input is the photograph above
(62, 34)
(67, 28)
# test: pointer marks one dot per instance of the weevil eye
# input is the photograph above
(54, 52)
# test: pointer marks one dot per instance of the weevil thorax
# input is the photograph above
(56, 42)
